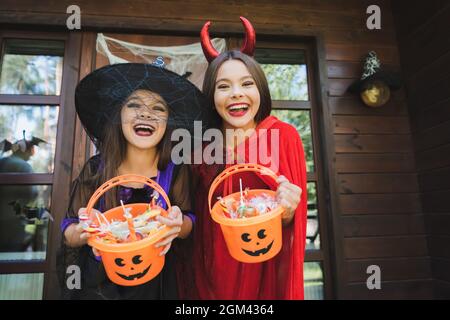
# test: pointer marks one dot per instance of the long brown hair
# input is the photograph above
(209, 82)
(112, 149)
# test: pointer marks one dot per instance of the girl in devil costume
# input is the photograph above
(236, 88)
(129, 111)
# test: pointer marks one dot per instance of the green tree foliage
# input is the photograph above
(286, 81)
(25, 74)
(289, 82)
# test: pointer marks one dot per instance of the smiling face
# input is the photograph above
(133, 269)
(256, 244)
(236, 96)
(144, 119)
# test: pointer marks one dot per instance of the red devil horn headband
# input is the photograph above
(248, 47)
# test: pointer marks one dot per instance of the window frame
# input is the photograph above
(60, 179)
(76, 154)
(318, 176)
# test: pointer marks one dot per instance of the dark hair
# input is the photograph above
(112, 149)
(209, 82)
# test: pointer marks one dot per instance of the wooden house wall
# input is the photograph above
(424, 41)
(376, 214)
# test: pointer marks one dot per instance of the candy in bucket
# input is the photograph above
(250, 220)
(125, 235)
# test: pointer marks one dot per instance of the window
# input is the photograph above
(21, 286)
(32, 109)
(28, 132)
(27, 121)
(289, 73)
(31, 67)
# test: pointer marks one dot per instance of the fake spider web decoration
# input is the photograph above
(179, 59)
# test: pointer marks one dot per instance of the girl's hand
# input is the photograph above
(288, 196)
(175, 221)
(75, 235)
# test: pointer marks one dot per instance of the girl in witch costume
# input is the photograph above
(236, 88)
(129, 111)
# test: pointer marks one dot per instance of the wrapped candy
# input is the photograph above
(117, 231)
(248, 206)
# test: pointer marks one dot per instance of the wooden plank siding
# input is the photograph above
(424, 43)
(380, 206)
(377, 215)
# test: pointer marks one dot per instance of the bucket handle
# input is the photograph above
(121, 180)
(243, 167)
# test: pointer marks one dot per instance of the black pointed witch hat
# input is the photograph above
(100, 95)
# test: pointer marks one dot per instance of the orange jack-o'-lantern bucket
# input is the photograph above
(130, 263)
(249, 239)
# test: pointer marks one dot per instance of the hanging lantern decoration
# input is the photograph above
(375, 84)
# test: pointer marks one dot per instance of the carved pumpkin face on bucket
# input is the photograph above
(249, 239)
(133, 268)
(256, 244)
(134, 262)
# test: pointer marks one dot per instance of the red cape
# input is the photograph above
(217, 274)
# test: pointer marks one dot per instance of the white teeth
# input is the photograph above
(238, 107)
(143, 126)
